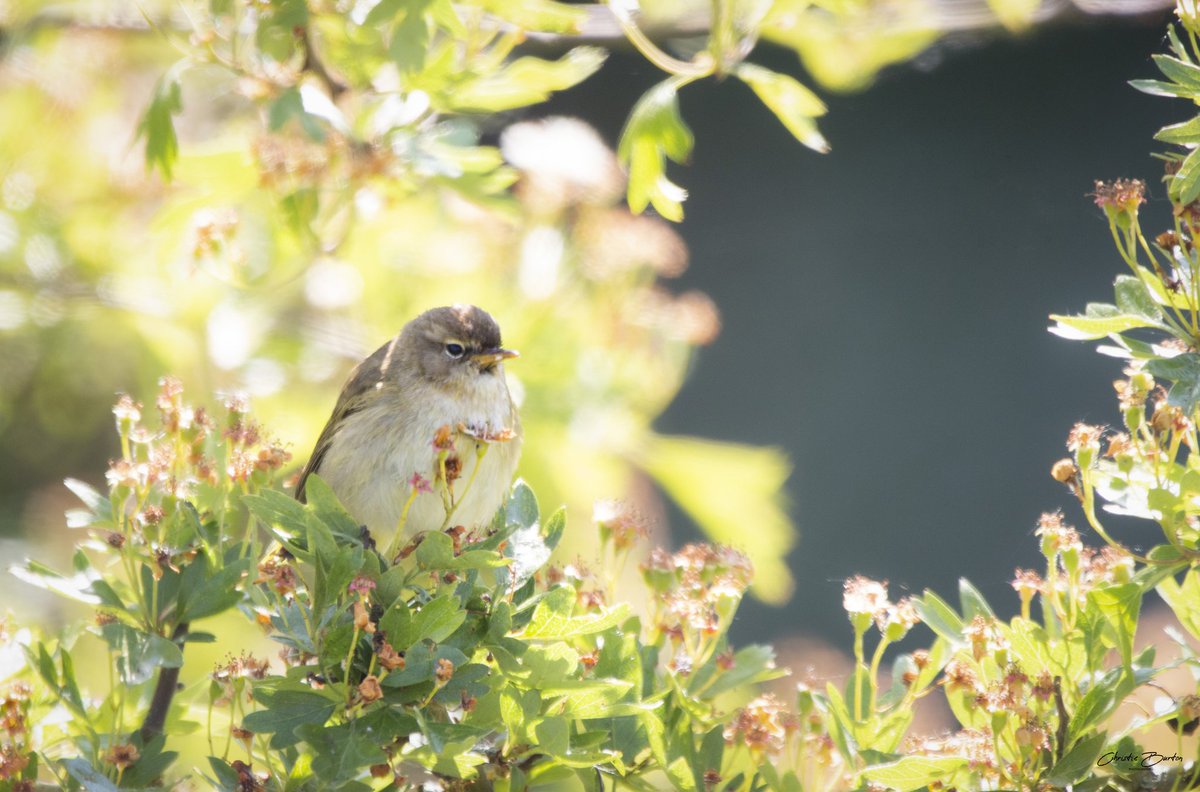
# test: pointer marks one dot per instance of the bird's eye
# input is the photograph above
(455, 350)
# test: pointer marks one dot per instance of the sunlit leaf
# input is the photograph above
(525, 81)
(915, 772)
(157, 127)
(794, 104)
(655, 131)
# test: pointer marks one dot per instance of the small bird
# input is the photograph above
(434, 392)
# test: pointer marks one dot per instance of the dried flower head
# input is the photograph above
(388, 657)
(959, 676)
(369, 689)
(1121, 194)
(122, 756)
(762, 725)
(865, 597)
(1064, 471)
(985, 637)
(12, 762)
(1084, 436)
(1056, 535)
(127, 412)
(443, 439)
(280, 574)
(619, 523)
(1026, 583)
(362, 617)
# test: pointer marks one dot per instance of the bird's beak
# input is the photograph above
(490, 357)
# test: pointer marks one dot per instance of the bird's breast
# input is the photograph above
(386, 450)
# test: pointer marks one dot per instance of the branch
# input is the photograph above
(164, 693)
(313, 65)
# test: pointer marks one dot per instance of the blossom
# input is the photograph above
(420, 483)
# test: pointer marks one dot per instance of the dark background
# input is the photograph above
(885, 305)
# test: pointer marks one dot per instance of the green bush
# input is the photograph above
(467, 658)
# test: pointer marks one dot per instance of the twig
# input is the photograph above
(164, 693)
(314, 65)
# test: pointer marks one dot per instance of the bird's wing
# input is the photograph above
(355, 395)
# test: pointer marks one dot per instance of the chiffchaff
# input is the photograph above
(424, 434)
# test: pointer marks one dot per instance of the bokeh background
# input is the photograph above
(882, 307)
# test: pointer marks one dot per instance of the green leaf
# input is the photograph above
(914, 772)
(973, 603)
(1077, 761)
(77, 587)
(341, 751)
(90, 779)
(586, 698)
(1184, 600)
(522, 506)
(140, 654)
(541, 15)
(1185, 185)
(410, 40)
(277, 510)
(335, 566)
(1184, 372)
(654, 132)
(1178, 71)
(525, 544)
(152, 763)
(940, 617)
(325, 504)
(287, 709)
(216, 594)
(157, 126)
(436, 621)
(791, 102)
(1092, 709)
(1120, 605)
(90, 496)
(227, 777)
(1186, 133)
(1089, 328)
(1134, 298)
(525, 81)
(751, 664)
(1160, 88)
(552, 619)
(556, 526)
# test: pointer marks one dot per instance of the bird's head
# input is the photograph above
(456, 345)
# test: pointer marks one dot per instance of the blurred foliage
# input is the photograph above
(322, 171)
